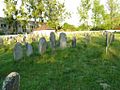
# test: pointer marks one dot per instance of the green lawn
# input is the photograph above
(81, 68)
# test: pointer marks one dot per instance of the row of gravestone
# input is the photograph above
(19, 52)
(12, 81)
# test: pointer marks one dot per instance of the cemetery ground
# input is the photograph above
(85, 67)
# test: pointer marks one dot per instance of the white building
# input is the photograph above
(7, 29)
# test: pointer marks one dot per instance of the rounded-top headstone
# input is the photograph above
(18, 51)
(52, 40)
(11, 82)
(63, 40)
(29, 49)
(42, 45)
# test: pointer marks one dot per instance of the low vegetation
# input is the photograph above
(86, 67)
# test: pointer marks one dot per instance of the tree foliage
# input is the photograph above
(53, 12)
(83, 11)
(103, 16)
(98, 13)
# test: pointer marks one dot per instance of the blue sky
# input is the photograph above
(70, 5)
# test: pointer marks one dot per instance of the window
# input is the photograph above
(3, 25)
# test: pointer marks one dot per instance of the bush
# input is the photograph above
(96, 29)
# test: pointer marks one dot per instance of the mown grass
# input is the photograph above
(86, 67)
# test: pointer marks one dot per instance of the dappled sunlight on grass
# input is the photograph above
(86, 67)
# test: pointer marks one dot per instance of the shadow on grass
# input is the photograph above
(77, 68)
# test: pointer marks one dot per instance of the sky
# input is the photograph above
(70, 5)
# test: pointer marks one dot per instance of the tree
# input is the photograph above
(98, 15)
(11, 13)
(35, 9)
(55, 13)
(114, 13)
(83, 11)
(69, 27)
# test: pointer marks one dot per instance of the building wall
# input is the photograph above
(6, 29)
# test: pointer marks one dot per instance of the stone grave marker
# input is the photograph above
(18, 51)
(74, 41)
(87, 38)
(29, 49)
(12, 82)
(42, 45)
(63, 40)
(52, 40)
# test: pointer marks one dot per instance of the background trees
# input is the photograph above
(101, 16)
(51, 12)
(83, 11)
(55, 13)
(93, 14)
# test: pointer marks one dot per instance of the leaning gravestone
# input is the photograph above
(74, 41)
(12, 82)
(63, 40)
(29, 49)
(1, 41)
(18, 51)
(52, 40)
(42, 45)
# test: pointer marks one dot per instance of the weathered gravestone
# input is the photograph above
(11, 82)
(112, 37)
(29, 49)
(1, 41)
(87, 38)
(52, 40)
(74, 41)
(63, 40)
(18, 51)
(24, 39)
(42, 45)
(107, 41)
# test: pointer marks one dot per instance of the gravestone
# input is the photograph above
(63, 40)
(1, 41)
(24, 39)
(52, 40)
(74, 41)
(29, 49)
(11, 82)
(112, 38)
(87, 38)
(107, 41)
(107, 38)
(18, 51)
(42, 45)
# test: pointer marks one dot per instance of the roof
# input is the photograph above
(43, 26)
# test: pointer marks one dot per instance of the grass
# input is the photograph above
(85, 67)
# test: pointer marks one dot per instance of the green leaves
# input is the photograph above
(83, 11)
(55, 13)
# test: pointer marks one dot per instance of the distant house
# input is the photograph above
(43, 26)
(7, 29)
